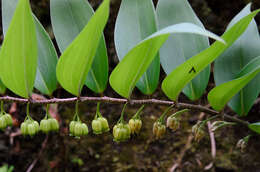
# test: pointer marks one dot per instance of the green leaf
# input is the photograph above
(255, 127)
(183, 74)
(18, 61)
(75, 63)
(179, 48)
(136, 20)
(125, 76)
(234, 59)
(2, 88)
(46, 81)
(68, 18)
(220, 95)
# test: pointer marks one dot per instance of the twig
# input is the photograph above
(122, 101)
(213, 146)
(44, 144)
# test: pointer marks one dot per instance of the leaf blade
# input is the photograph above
(226, 67)
(126, 74)
(178, 48)
(46, 81)
(183, 74)
(72, 73)
(19, 67)
(220, 95)
(68, 18)
(138, 20)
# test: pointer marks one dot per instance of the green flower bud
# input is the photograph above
(84, 128)
(159, 130)
(24, 128)
(3, 123)
(45, 126)
(173, 123)
(32, 129)
(78, 129)
(72, 127)
(8, 119)
(36, 126)
(97, 126)
(54, 124)
(121, 132)
(198, 131)
(135, 125)
(104, 123)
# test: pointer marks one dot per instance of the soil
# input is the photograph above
(60, 152)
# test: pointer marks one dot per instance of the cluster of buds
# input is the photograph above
(50, 124)
(29, 127)
(121, 131)
(242, 143)
(173, 121)
(198, 131)
(159, 129)
(99, 124)
(78, 129)
(135, 122)
(5, 120)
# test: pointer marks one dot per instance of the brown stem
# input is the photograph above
(111, 100)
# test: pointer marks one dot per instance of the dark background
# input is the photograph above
(142, 153)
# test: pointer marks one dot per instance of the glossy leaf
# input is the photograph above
(2, 87)
(125, 76)
(46, 81)
(183, 74)
(69, 17)
(76, 61)
(136, 20)
(255, 127)
(18, 59)
(220, 95)
(179, 48)
(234, 59)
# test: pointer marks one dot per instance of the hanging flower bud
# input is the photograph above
(135, 125)
(32, 130)
(173, 123)
(9, 120)
(45, 126)
(121, 132)
(78, 130)
(72, 127)
(242, 143)
(24, 128)
(159, 130)
(84, 129)
(198, 131)
(54, 124)
(3, 123)
(97, 126)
